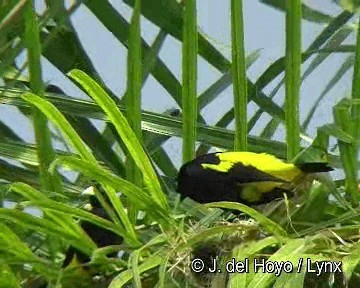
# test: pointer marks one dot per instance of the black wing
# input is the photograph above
(242, 174)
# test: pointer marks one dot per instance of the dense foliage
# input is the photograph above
(41, 183)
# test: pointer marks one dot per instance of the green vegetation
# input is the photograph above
(159, 235)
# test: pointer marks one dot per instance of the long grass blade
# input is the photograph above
(73, 138)
(348, 155)
(189, 77)
(133, 96)
(239, 75)
(292, 76)
(127, 135)
(42, 134)
(356, 92)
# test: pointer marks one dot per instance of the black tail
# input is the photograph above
(313, 167)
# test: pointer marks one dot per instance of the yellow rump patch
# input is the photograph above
(253, 192)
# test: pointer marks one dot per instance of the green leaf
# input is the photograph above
(292, 251)
(62, 220)
(37, 224)
(159, 124)
(249, 249)
(348, 152)
(239, 75)
(50, 182)
(126, 134)
(136, 195)
(267, 224)
(124, 277)
(15, 251)
(189, 80)
(292, 77)
(60, 121)
(133, 93)
(8, 278)
(290, 280)
(351, 261)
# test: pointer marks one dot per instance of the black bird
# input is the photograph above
(244, 177)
